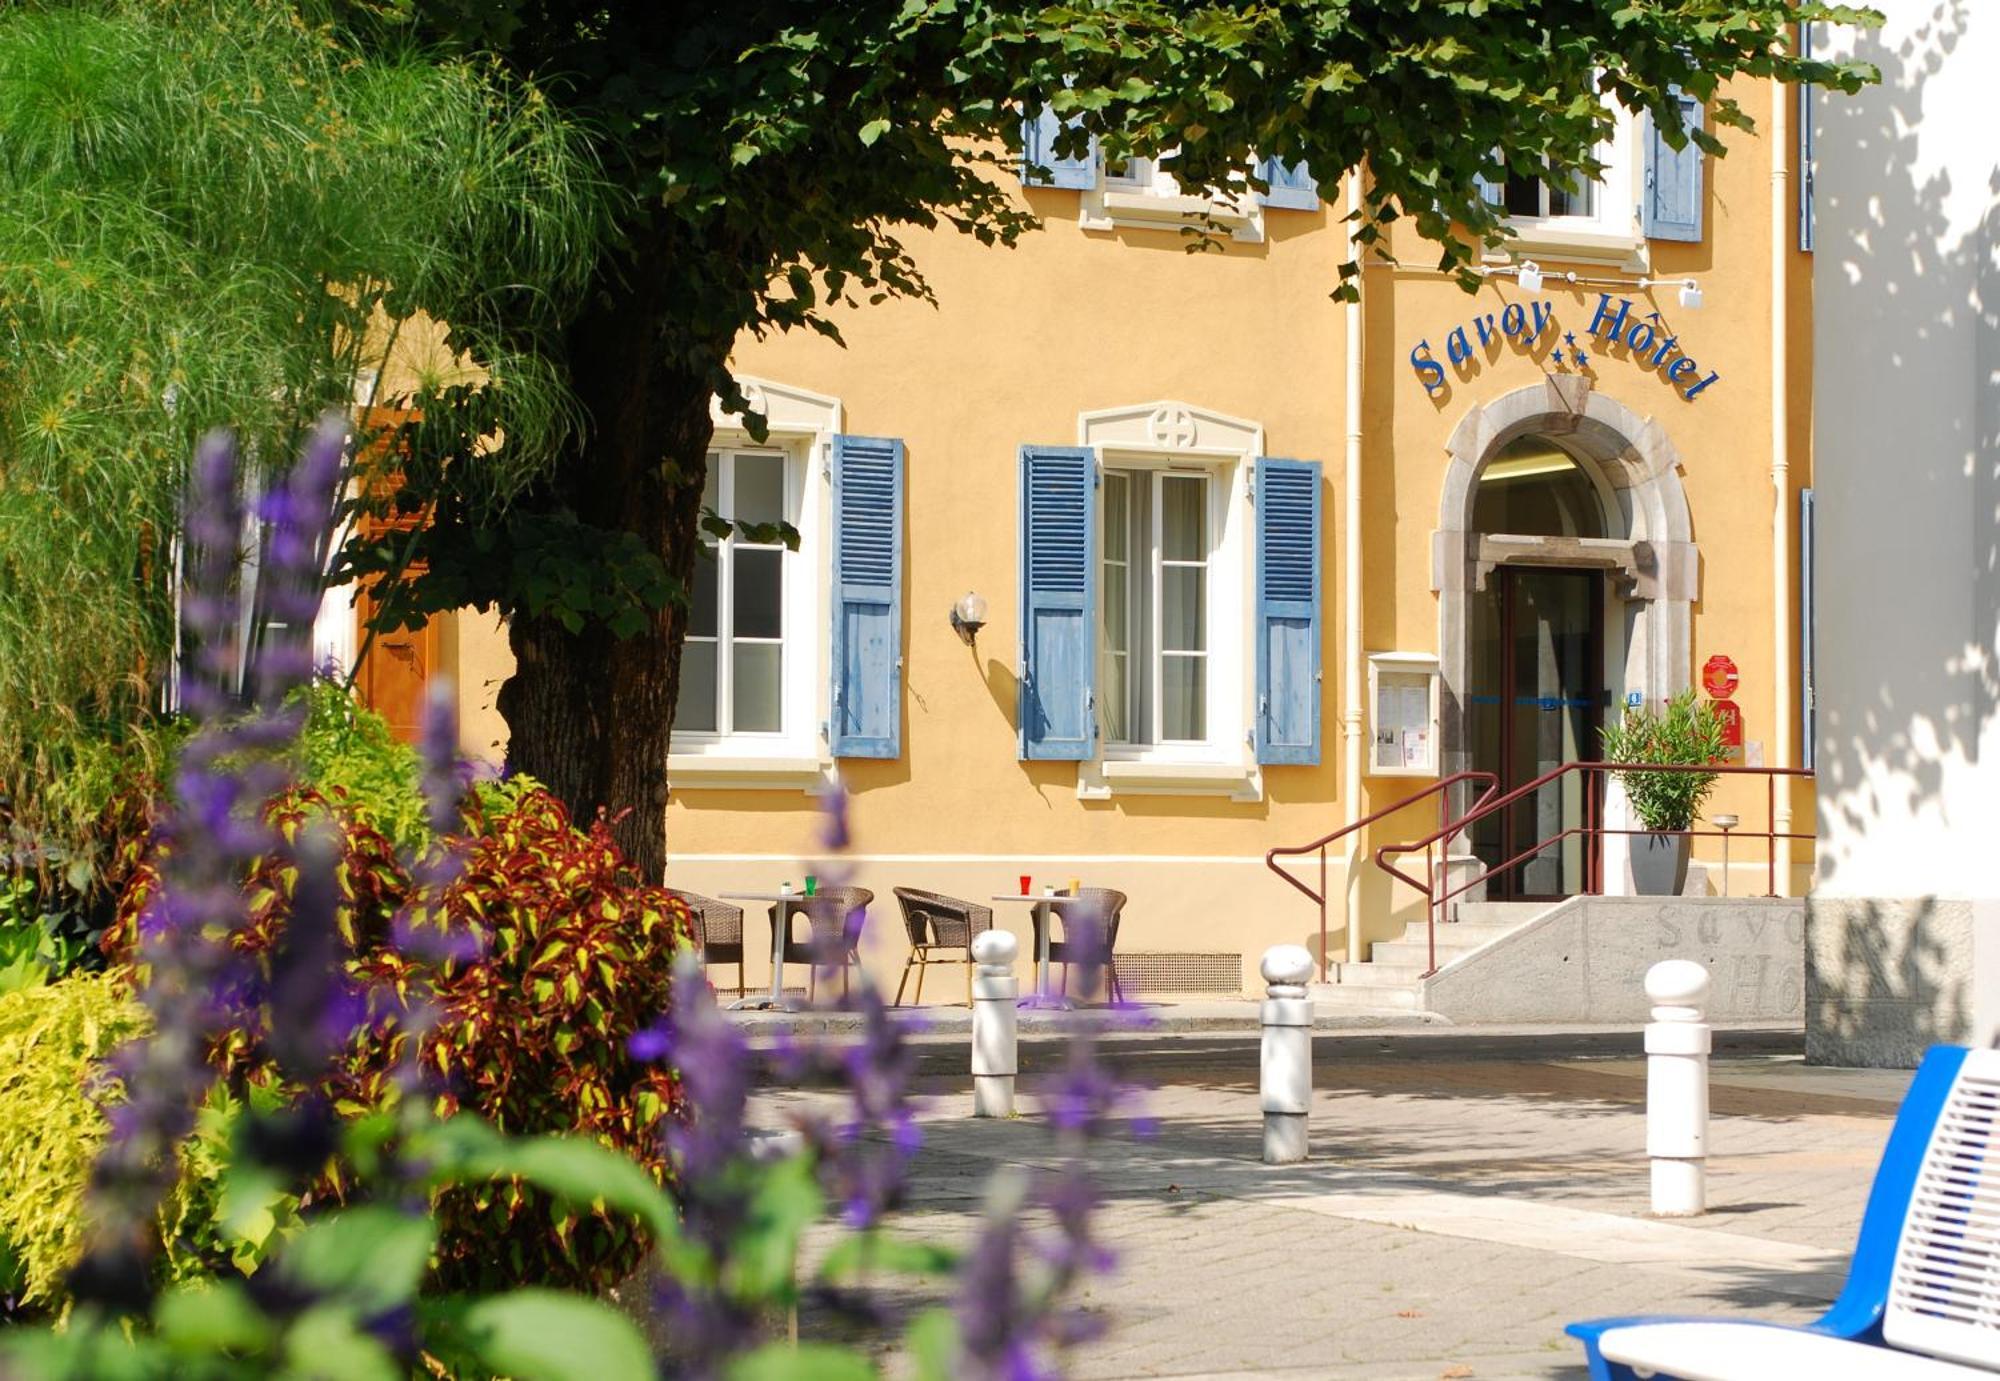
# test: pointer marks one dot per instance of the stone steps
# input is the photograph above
(1352, 997)
(1390, 979)
(1374, 975)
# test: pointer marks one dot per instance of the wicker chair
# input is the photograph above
(1108, 906)
(937, 922)
(834, 918)
(718, 931)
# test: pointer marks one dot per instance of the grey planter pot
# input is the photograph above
(1659, 864)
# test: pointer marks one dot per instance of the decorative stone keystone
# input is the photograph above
(995, 1027)
(1677, 1045)
(1285, 1068)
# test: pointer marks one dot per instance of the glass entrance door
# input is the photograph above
(1536, 702)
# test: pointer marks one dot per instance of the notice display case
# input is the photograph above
(1403, 714)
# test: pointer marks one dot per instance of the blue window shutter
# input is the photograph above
(1672, 209)
(867, 597)
(1058, 709)
(1292, 185)
(1040, 165)
(1287, 625)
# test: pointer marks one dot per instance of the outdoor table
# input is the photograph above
(1041, 998)
(779, 920)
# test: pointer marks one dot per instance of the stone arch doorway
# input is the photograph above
(1608, 532)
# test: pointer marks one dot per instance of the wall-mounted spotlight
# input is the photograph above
(1529, 276)
(1691, 295)
(968, 616)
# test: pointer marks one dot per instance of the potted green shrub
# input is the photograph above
(1685, 731)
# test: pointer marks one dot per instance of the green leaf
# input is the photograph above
(250, 1194)
(546, 1335)
(210, 1318)
(326, 1345)
(806, 1362)
(575, 1168)
(764, 1255)
(874, 130)
(856, 1256)
(373, 1256)
(932, 1340)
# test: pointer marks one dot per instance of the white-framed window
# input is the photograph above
(1137, 174)
(1172, 674)
(1551, 197)
(743, 645)
(1143, 193)
(1606, 206)
(1157, 546)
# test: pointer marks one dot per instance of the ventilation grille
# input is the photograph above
(1180, 973)
(1944, 1298)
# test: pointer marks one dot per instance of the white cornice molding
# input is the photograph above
(1169, 427)
(788, 409)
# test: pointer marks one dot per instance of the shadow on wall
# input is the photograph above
(1904, 700)
(1885, 980)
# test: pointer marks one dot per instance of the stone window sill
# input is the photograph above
(1111, 208)
(1597, 248)
(735, 772)
(1233, 781)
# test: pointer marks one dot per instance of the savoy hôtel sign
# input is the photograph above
(1616, 324)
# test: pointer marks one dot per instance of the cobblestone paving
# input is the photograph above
(1454, 1215)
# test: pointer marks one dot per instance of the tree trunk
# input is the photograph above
(588, 713)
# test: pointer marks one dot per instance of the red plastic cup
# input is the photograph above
(1026, 883)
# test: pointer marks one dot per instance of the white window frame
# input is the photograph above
(723, 461)
(1170, 437)
(1155, 475)
(1613, 232)
(801, 425)
(1145, 196)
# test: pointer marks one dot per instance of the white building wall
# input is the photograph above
(1906, 468)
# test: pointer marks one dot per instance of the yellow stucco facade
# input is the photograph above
(1075, 337)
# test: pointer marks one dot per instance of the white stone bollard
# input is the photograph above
(1285, 1069)
(995, 1029)
(1677, 1045)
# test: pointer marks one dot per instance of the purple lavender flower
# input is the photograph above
(1037, 1245)
(216, 828)
(708, 1149)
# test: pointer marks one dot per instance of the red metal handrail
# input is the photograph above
(1271, 856)
(1589, 829)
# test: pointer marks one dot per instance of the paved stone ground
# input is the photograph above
(1466, 1197)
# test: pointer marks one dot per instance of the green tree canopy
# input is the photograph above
(779, 153)
(222, 213)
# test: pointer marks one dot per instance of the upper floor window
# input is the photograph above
(1542, 197)
(733, 661)
(1603, 209)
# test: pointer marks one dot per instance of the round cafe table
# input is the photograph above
(1041, 999)
(779, 919)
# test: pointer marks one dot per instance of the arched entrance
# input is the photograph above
(1566, 575)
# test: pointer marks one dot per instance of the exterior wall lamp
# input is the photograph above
(968, 616)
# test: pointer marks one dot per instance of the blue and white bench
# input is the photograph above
(1922, 1298)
